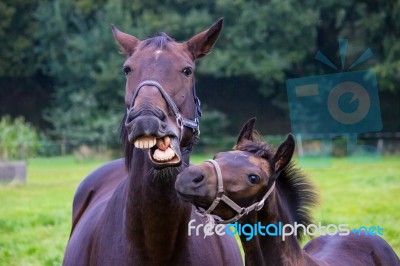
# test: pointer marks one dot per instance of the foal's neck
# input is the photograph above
(154, 214)
(271, 250)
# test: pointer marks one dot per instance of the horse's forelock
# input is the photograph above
(159, 42)
(257, 147)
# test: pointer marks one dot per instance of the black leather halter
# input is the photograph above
(180, 120)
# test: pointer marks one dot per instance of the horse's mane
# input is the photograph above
(126, 145)
(297, 191)
(159, 41)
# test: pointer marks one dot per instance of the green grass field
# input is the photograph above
(35, 218)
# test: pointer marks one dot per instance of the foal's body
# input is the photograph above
(254, 175)
(351, 250)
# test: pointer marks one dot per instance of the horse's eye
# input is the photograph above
(127, 70)
(187, 71)
(254, 179)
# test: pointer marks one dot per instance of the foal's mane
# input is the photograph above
(297, 191)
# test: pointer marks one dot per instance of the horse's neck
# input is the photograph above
(154, 216)
(271, 250)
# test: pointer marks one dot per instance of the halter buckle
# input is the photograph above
(179, 122)
(259, 206)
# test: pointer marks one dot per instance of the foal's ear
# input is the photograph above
(247, 131)
(201, 44)
(126, 42)
(284, 154)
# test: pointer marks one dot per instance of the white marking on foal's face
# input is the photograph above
(157, 53)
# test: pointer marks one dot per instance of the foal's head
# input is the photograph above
(249, 173)
(162, 106)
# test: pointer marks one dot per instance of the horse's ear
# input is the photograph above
(247, 131)
(126, 42)
(201, 44)
(284, 153)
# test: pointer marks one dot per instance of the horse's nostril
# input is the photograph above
(198, 179)
(160, 115)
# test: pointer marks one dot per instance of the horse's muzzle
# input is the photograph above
(145, 126)
(150, 132)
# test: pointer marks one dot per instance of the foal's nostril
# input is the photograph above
(198, 179)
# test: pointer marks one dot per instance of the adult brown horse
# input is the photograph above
(274, 191)
(137, 218)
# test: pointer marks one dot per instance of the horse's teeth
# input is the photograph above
(145, 142)
(162, 156)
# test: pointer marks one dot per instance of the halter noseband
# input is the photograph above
(241, 211)
(180, 120)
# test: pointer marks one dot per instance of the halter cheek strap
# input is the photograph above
(241, 211)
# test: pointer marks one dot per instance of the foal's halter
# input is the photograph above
(180, 120)
(241, 211)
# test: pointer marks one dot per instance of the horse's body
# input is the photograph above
(128, 213)
(99, 238)
(103, 179)
(274, 191)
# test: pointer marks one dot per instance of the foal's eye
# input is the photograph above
(254, 179)
(187, 71)
(127, 70)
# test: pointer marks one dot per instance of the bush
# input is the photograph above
(18, 139)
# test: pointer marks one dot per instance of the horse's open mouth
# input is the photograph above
(161, 150)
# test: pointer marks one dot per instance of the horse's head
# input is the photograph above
(162, 106)
(245, 176)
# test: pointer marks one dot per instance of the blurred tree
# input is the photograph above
(17, 55)
(213, 135)
(264, 40)
(23, 89)
(82, 56)
(263, 44)
(366, 24)
(381, 24)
